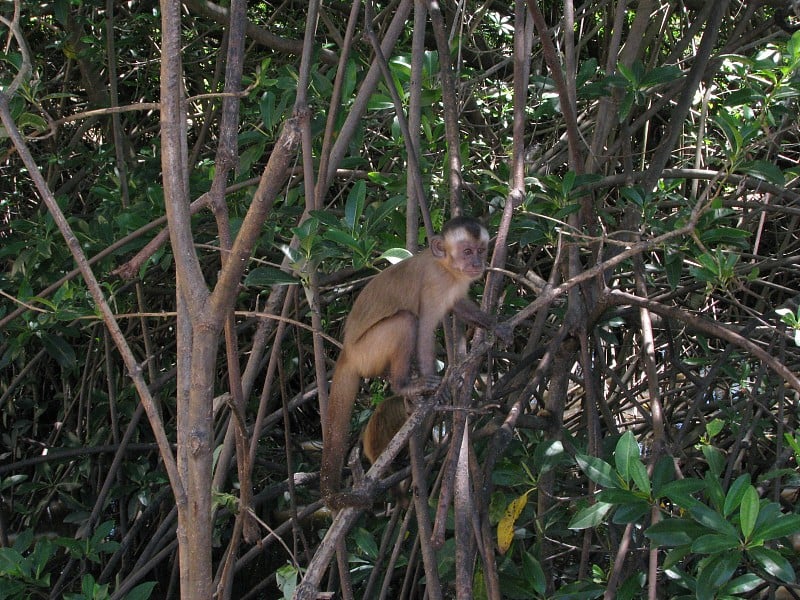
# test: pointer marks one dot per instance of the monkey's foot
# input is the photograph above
(504, 331)
(421, 386)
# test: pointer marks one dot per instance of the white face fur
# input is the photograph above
(462, 235)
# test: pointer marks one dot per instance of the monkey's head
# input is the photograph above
(462, 246)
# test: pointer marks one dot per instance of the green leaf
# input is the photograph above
(674, 532)
(742, 97)
(735, 494)
(714, 427)
(31, 120)
(710, 518)
(250, 156)
(714, 491)
(660, 75)
(268, 276)
(748, 512)
(61, 11)
(663, 473)
(141, 591)
(534, 573)
(680, 490)
(730, 129)
(46, 302)
(327, 218)
(579, 590)
(725, 235)
(355, 204)
(773, 563)
(550, 454)
(770, 513)
(286, 580)
(633, 512)
(380, 102)
(629, 74)
(793, 47)
(618, 496)
(714, 572)
(586, 70)
(793, 442)
(598, 470)
(674, 267)
(383, 211)
(742, 585)
(365, 541)
(24, 540)
(631, 588)
(568, 183)
(640, 478)
(343, 239)
(12, 563)
(625, 107)
(586, 179)
(350, 78)
(626, 453)
(762, 169)
(674, 557)
(40, 557)
(783, 526)
(715, 459)
(102, 531)
(591, 516)
(714, 542)
(307, 231)
(60, 350)
(267, 107)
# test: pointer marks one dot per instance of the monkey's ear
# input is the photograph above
(437, 246)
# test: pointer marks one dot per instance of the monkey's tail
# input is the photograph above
(344, 388)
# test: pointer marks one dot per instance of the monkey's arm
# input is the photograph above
(468, 311)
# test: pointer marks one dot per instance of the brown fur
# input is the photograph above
(389, 416)
(393, 319)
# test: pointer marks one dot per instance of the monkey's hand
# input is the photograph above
(505, 331)
(420, 386)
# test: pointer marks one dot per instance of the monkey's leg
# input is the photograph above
(400, 360)
(391, 345)
(387, 345)
(419, 386)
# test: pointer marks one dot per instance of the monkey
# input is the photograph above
(393, 319)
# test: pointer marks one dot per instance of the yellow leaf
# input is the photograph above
(505, 528)
(69, 50)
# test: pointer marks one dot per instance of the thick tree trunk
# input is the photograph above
(195, 436)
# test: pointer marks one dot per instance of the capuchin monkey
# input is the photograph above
(393, 320)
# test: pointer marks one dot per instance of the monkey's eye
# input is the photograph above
(467, 251)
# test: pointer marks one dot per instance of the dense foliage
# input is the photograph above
(641, 429)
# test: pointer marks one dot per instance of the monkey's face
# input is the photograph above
(468, 256)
